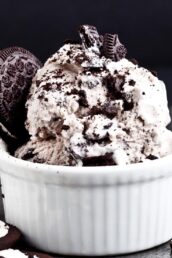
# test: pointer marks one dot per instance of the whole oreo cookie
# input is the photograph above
(112, 47)
(17, 68)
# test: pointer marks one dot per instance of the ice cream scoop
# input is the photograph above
(106, 109)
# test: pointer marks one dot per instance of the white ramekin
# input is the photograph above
(89, 210)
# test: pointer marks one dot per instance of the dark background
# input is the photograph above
(144, 26)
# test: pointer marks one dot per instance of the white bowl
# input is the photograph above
(89, 210)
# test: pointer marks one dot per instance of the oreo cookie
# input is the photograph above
(9, 235)
(112, 48)
(90, 37)
(17, 68)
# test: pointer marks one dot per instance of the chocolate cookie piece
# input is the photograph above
(112, 48)
(152, 157)
(17, 68)
(90, 37)
(114, 86)
(103, 160)
(9, 239)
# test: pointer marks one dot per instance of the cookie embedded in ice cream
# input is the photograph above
(113, 48)
(9, 235)
(17, 68)
(90, 38)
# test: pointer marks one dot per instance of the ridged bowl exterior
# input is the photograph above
(89, 211)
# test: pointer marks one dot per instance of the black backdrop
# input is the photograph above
(144, 26)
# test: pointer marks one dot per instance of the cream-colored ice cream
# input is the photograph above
(50, 151)
(87, 109)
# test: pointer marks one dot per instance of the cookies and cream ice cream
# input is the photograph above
(89, 105)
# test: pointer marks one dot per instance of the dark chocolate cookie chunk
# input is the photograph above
(152, 157)
(112, 48)
(103, 160)
(115, 86)
(9, 239)
(90, 37)
(17, 68)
